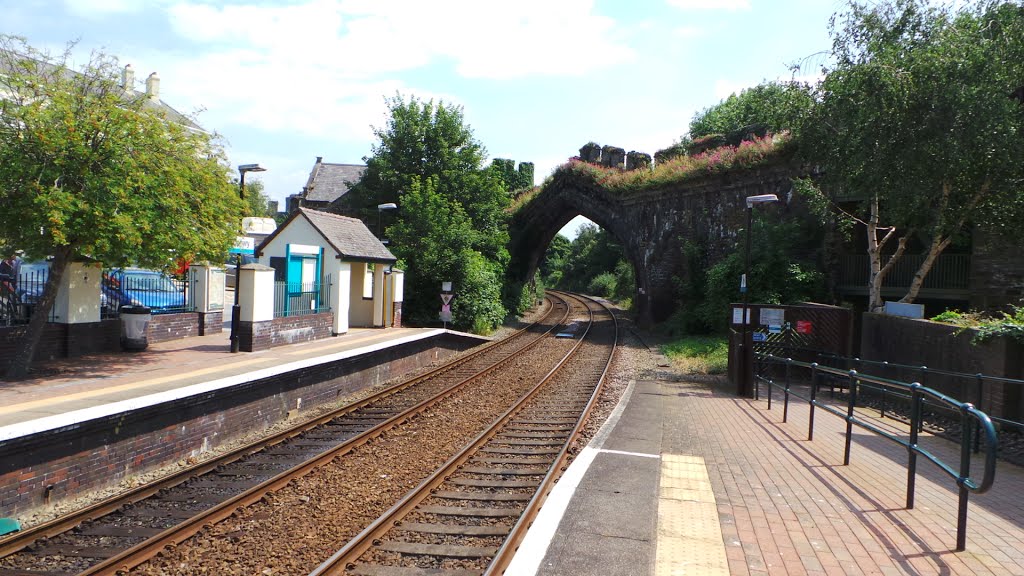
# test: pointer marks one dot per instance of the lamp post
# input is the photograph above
(236, 309)
(380, 211)
(745, 380)
(387, 270)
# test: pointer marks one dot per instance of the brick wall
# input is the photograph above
(937, 346)
(255, 336)
(102, 453)
(164, 327)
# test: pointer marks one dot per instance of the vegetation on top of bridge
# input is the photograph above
(677, 171)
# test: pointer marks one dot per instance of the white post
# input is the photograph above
(378, 295)
(256, 297)
(341, 292)
(78, 296)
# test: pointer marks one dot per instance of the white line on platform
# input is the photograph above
(639, 454)
(535, 545)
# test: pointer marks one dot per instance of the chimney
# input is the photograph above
(153, 86)
(128, 78)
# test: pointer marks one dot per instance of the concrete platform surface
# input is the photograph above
(72, 390)
(686, 478)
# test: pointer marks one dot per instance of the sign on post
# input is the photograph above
(243, 245)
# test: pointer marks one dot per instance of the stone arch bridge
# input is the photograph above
(653, 225)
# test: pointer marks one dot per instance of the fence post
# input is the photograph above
(814, 399)
(785, 396)
(979, 396)
(965, 472)
(849, 416)
(915, 416)
(921, 381)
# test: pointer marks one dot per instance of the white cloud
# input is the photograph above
(730, 5)
(96, 8)
(361, 38)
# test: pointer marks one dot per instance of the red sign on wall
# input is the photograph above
(804, 326)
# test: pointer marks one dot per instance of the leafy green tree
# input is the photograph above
(433, 243)
(257, 203)
(451, 221)
(914, 123)
(551, 265)
(88, 170)
(423, 140)
(769, 107)
(594, 251)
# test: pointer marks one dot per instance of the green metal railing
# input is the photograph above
(301, 298)
(971, 419)
(971, 385)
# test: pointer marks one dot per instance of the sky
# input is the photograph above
(286, 81)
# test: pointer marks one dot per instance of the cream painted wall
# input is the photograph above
(360, 310)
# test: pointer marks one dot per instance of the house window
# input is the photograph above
(368, 282)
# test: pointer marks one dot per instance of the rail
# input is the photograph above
(969, 415)
(923, 375)
(18, 541)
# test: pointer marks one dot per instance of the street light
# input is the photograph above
(380, 210)
(236, 309)
(744, 381)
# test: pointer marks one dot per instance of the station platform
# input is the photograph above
(73, 390)
(687, 478)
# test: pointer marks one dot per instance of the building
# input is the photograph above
(327, 182)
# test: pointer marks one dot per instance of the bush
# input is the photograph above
(602, 285)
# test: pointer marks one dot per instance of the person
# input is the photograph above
(9, 268)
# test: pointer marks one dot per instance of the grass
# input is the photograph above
(698, 354)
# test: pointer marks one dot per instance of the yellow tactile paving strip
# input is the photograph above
(689, 534)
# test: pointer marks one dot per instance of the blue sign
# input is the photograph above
(760, 337)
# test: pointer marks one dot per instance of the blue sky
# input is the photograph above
(285, 82)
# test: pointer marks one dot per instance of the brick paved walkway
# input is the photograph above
(788, 505)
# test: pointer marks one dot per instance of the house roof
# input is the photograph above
(328, 182)
(152, 104)
(349, 237)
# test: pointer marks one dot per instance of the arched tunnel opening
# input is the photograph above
(585, 257)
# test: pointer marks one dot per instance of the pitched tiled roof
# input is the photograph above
(328, 182)
(348, 236)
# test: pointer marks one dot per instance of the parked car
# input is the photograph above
(153, 289)
(32, 278)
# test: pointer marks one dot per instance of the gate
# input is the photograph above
(797, 331)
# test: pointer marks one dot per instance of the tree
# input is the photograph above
(451, 221)
(915, 123)
(257, 203)
(768, 107)
(90, 170)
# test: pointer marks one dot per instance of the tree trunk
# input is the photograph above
(936, 248)
(875, 275)
(40, 316)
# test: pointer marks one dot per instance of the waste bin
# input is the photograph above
(134, 320)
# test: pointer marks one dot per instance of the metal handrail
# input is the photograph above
(978, 379)
(972, 420)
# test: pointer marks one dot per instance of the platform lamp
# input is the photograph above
(380, 211)
(745, 382)
(236, 309)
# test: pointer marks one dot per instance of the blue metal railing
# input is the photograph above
(973, 421)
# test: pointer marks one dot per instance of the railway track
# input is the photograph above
(124, 531)
(469, 517)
